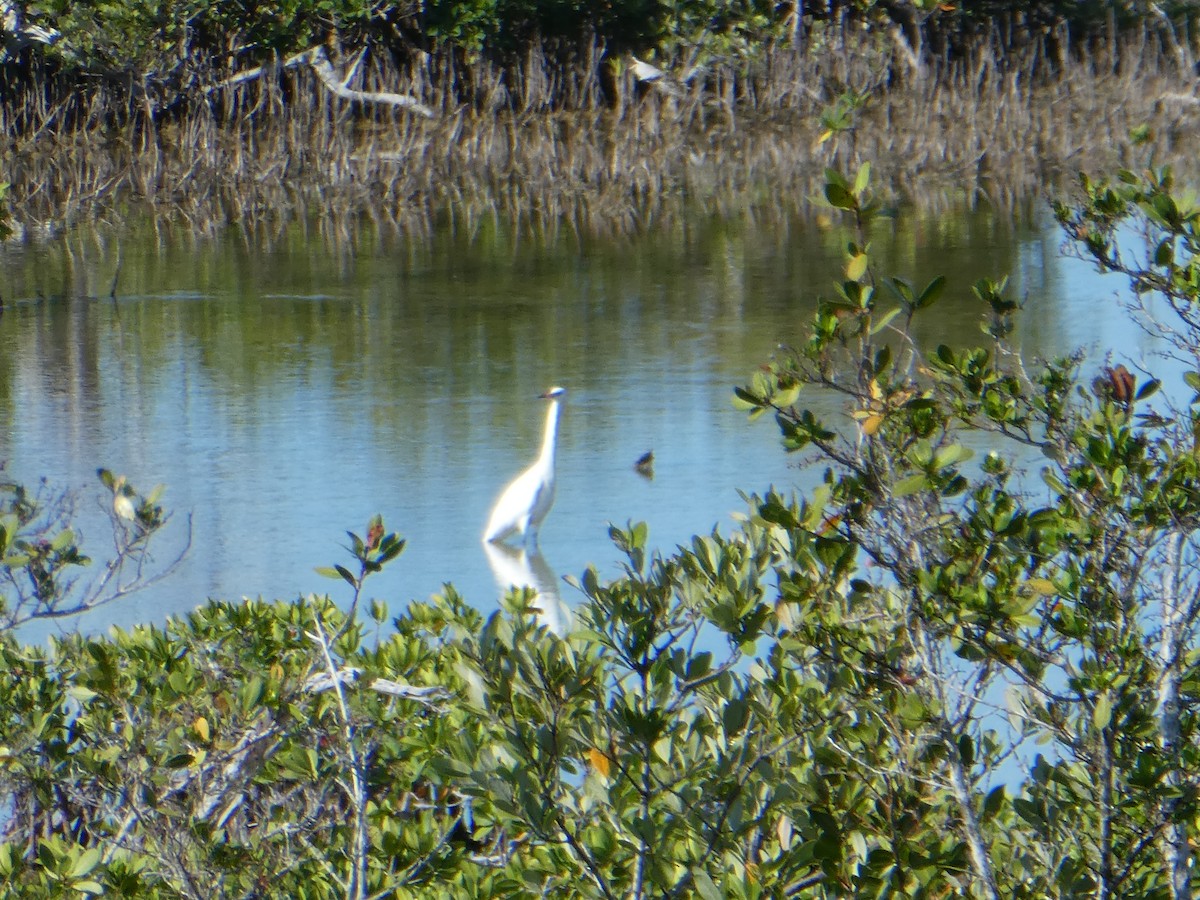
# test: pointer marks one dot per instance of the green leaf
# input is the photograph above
(966, 750)
(179, 683)
(932, 291)
(1041, 587)
(743, 399)
(391, 548)
(952, 456)
(734, 716)
(857, 266)
(85, 862)
(63, 540)
(863, 178)
(48, 855)
(787, 396)
(993, 802)
(1102, 714)
(884, 321)
(251, 692)
(901, 289)
(911, 485)
(833, 176)
(839, 197)
(1052, 481)
(705, 887)
(859, 844)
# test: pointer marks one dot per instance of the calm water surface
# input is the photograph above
(287, 386)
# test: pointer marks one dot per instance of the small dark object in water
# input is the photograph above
(645, 464)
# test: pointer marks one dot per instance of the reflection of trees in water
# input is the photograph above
(237, 364)
(521, 568)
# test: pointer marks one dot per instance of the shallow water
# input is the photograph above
(285, 387)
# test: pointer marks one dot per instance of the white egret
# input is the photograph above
(528, 498)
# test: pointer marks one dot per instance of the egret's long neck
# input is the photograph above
(551, 436)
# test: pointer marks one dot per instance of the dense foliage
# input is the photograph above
(149, 40)
(930, 676)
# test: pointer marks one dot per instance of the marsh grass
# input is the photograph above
(583, 147)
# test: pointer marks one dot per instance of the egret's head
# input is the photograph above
(555, 393)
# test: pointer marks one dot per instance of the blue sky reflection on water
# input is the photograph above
(285, 393)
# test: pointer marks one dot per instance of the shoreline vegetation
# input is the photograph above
(587, 138)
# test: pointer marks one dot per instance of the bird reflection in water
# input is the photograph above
(525, 567)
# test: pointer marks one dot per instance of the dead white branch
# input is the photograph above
(655, 78)
(317, 60)
(1181, 99)
(17, 34)
(356, 881)
(320, 64)
(427, 695)
(1179, 48)
(228, 774)
(908, 53)
(324, 681)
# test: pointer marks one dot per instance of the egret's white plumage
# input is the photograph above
(525, 502)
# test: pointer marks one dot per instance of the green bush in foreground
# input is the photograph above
(927, 677)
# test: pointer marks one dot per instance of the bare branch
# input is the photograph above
(318, 60)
